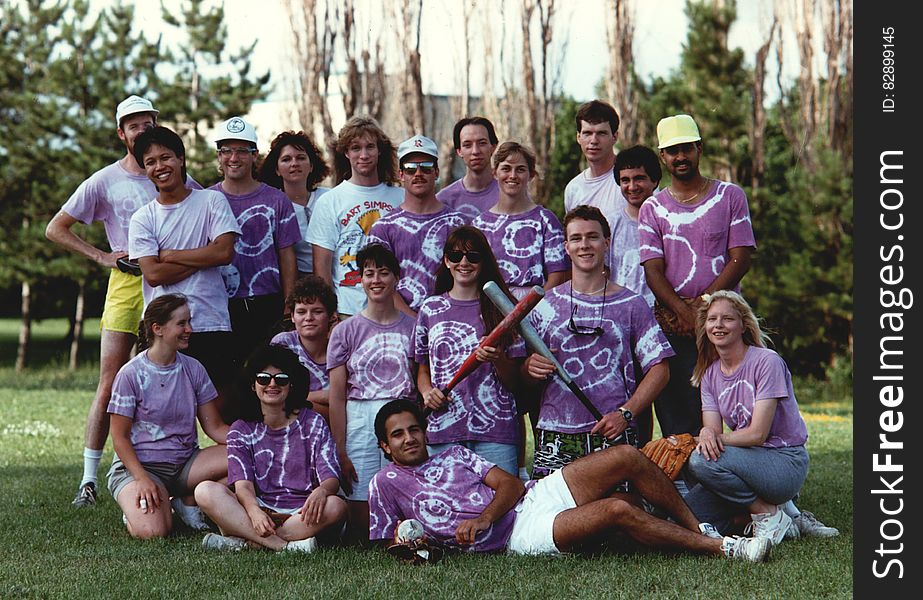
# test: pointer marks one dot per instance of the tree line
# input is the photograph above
(63, 71)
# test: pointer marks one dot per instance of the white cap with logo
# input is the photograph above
(133, 105)
(235, 128)
(418, 143)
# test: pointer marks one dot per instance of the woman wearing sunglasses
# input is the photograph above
(480, 413)
(282, 464)
(156, 398)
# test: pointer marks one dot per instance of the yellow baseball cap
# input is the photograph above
(678, 129)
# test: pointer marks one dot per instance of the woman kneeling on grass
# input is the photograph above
(156, 398)
(761, 463)
(282, 464)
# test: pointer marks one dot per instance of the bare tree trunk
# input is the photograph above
(78, 325)
(758, 129)
(25, 327)
(620, 32)
(413, 78)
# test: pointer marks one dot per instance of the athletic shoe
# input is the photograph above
(753, 549)
(213, 541)
(709, 530)
(808, 525)
(305, 545)
(793, 533)
(190, 515)
(771, 527)
(86, 496)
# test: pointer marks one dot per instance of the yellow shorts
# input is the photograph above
(124, 303)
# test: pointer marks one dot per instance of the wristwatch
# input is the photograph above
(626, 413)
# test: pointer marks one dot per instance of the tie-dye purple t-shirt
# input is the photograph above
(470, 204)
(318, 371)
(763, 375)
(417, 241)
(162, 402)
(528, 246)
(377, 357)
(440, 493)
(480, 408)
(694, 239)
(268, 224)
(602, 366)
(285, 465)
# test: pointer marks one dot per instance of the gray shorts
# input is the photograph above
(174, 478)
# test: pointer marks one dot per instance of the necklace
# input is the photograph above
(602, 289)
(692, 197)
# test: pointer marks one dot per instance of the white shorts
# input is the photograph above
(533, 530)
(362, 445)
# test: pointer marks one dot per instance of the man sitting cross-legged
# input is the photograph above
(464, 501)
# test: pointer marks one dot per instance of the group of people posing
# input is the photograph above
(307, 328)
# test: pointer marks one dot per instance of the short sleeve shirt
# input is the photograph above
(763, 375)
(304, 250)
(469, 204)
(319, 379)
(162, 402)
(285, 465)
(694, 240)
(625, 259)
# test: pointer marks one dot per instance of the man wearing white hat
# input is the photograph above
(696, 238)
(417, 230)
(110, 195)
(264, 268)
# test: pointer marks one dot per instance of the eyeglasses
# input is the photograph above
(281, 379)
(583, 329)
(455, 256)
(227, 152)
(409, 168)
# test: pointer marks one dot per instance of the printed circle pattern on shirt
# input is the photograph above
(480, 408)
(285, 465)
(693, 240)
(528, 246)
(377, 357)
(319, 380)
(417, 241)
(601, 366)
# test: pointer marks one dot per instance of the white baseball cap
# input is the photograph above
(235, 128)
(132, 105)
(418, 143)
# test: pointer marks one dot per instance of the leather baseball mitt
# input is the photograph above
(418, 551)
(670, 453)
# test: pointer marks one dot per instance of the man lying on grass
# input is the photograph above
(465, 502)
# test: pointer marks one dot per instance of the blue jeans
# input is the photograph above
(504, 456)
(727, 486)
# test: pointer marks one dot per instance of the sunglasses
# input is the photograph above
(282, 379)
(455, 256)
(238, 151)
(409, 168)
(582, 329)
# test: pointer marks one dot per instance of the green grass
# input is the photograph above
(52, 551)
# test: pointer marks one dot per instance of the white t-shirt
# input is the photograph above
(304, 252)
(341, 223)
(193, 223)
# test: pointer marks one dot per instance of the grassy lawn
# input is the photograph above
(52, 551)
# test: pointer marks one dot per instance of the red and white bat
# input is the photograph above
(509, 322)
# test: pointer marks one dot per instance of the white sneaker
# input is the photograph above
(190, 515)
(213, 541)
(771, 527)
(753, 549)
(808, 525)
(709, 530)
(305, 545)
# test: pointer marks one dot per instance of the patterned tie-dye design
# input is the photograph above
(112, 195)
(440, 493)
(763, 375)
(377, 357)
(417, 241)
(528, 246)
(693, 240)
(285, 464)
(318, 371)
(625, 259)
(602, 366)
(162, 403)
(469, 204)
(479, 408)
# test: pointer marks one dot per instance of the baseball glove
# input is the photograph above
(668, 320)
(670, 453)
(420, 551)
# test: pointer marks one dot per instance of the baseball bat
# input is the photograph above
(512, 318)
(537, 345)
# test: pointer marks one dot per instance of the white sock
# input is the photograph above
(790, 509)
(91, 460)
(523, 474)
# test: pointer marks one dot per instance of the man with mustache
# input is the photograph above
(696, 238)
